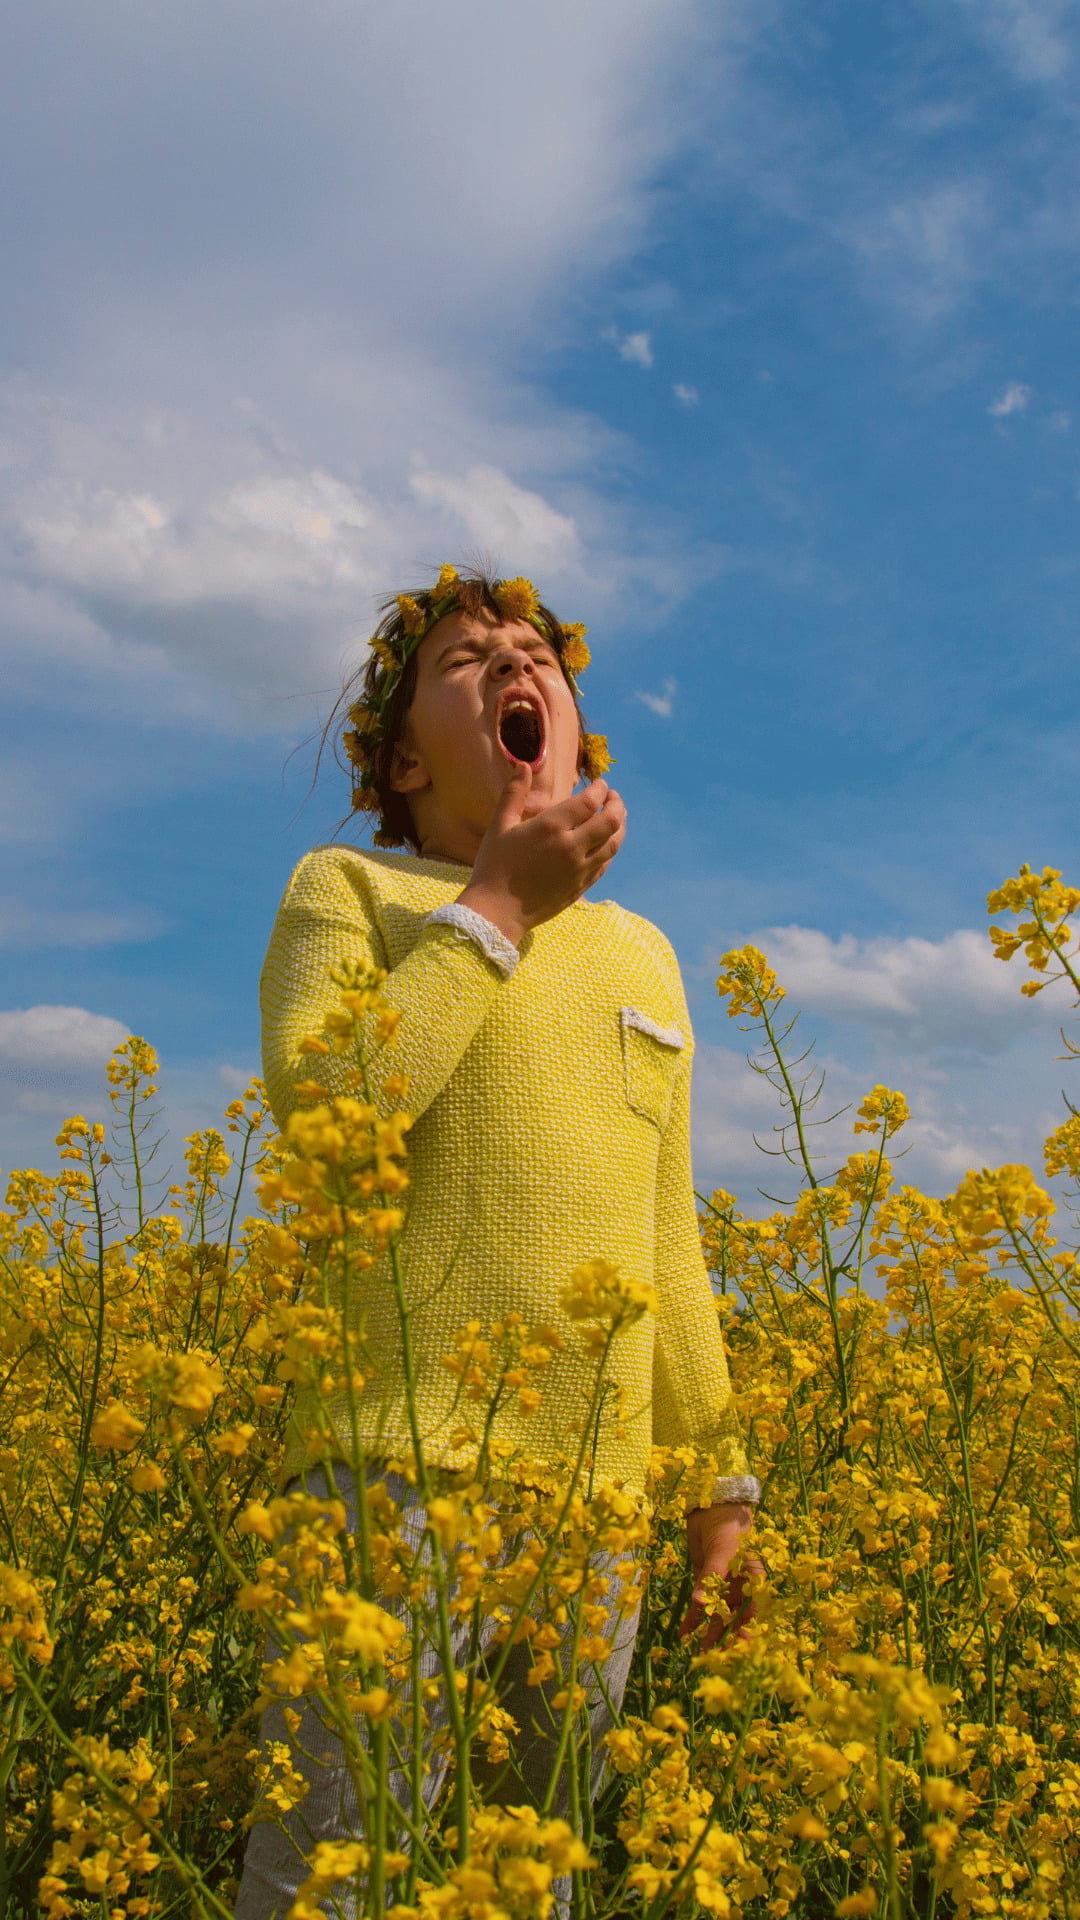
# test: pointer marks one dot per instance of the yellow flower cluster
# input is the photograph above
(598, 1291)
(104, 1816)
(1046, 934)
(895, 1734)
(748, 982)
(884, 1112)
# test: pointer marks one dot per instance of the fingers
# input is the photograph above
(602, 827)
(582, 806)
(692, 1619)
(731, 1620)
(514, 795)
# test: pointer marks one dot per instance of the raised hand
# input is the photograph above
(527, 870)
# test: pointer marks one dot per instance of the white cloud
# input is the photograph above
(318, 325)
(686, 396)
(516, 523)
(1030, 35)
(58, 1037)
(277, 538)
(922, 251)
(1060, 421)
(949, 993)
(1015, 398)
(732, 1103)
(635, 347)
(234, 1080)
(659, 702)
(959, 1118)
(81, 928)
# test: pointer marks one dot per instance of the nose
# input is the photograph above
(510, 660)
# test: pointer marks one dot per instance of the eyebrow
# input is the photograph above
(480, 645)
(458, 645)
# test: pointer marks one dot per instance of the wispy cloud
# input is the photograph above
(1015, 398)
(635, 347)
(1030, 35)
(922, 251)
(660, 703)
(31, 927)
(686, 396)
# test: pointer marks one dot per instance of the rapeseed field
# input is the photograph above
(894, 1734)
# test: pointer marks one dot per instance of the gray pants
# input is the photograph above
(274, 1867)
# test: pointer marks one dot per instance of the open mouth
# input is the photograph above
(521, 730)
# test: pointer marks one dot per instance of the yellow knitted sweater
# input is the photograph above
(552, 1125)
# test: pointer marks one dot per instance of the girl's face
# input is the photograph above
(488, 695)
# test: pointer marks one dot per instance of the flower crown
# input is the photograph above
(394, 646)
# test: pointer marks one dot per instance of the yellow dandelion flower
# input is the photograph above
(517, 599)
(575, 654)
(413, 616)
(365, 800)
(595, 758)
(446, 582)
(384, 653)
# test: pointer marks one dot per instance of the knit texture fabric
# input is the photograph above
(552, 1126)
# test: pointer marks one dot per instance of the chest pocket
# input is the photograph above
(650, 1061)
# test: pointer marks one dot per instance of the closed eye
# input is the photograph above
(470, 659)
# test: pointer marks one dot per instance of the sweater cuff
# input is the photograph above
(736, 1486)
(492, 943)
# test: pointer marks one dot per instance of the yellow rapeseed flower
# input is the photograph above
(117, 1428)
(883, 1111)
(748, 982)
(598, 1291)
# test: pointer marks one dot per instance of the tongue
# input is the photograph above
(520, 734)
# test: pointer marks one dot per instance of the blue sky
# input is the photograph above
(748, 330)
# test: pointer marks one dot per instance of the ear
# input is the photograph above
(408, 773)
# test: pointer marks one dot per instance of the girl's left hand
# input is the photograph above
(713, 1537)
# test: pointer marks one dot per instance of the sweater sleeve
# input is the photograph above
(693, 1407)
(443, 988)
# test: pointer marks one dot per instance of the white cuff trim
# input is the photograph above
(641, 1023)
(493, 944)
(737, 1486)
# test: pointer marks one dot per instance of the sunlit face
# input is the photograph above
(489, 694)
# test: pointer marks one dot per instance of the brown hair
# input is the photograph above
(475, 590)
